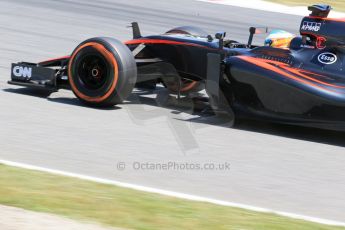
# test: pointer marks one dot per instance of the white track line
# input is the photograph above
(173, 194)
(270, 7)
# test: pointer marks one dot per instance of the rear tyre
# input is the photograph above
(190, 30)
(102, 72)
(187, 85)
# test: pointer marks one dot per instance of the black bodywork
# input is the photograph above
(303, 85)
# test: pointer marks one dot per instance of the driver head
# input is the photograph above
(279, 39)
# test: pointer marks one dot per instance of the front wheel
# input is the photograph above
(102, 72)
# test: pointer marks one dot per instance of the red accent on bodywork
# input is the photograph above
(301, 74)
(328, 19)
(321, 42)
(55, 59)
(164, 42)
(270, 65)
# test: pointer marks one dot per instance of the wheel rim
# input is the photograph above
(75, 81)
(92, 71)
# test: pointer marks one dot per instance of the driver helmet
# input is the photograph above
(279, 39)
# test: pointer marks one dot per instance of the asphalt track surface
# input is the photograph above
(283, 168)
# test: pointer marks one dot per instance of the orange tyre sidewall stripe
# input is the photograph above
(189, 86)
(186, 87)
(109, 57)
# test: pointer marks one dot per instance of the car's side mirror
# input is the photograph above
(256, 30)
(220, 35)
(259, 30)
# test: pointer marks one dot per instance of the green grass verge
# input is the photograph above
(338, 5)
(125, 208)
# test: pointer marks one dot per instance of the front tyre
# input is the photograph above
(102, 72)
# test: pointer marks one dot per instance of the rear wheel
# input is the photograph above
(190, 30)
(102, 72)
(186, 85)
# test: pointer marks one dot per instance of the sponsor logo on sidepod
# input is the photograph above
(327, 58)
(24, 72)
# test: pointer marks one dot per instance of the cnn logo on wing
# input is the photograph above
(22, 72)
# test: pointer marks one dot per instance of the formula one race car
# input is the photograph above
(303, 84)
